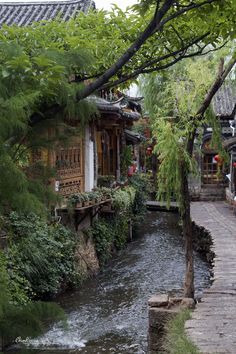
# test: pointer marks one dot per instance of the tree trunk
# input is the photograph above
(187, 232)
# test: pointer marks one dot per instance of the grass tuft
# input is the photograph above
(176, 341)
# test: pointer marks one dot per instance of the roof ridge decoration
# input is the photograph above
(25, 13)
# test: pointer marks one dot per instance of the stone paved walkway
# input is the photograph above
(213, 324)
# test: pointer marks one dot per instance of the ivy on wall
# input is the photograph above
(111, 233)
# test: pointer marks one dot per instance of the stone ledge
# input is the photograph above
(158, 300)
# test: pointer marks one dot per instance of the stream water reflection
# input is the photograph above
(109, 315)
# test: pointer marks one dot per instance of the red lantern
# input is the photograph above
(234, 164)
(218, 159)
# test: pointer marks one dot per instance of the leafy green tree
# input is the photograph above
(151, 36)
(29, 82)
(171, 30)
(40, 257)
(178, 103)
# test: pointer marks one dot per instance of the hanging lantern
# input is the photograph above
(218, 159)
(234, 164)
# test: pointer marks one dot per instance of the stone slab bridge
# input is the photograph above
(213, 324)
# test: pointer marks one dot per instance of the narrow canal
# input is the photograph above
(109, 315)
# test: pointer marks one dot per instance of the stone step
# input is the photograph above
(212, 193)
(213, 190)
(211, 198)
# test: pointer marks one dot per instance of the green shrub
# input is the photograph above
(123, 199)
(112, 232)
(16, 286)
(142, 185)
(40, 257)
(106, 181)
(120, 230)
(24, 318)
(103, 236)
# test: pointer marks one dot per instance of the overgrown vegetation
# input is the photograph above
(143, 186)
(176, 341)
(111, 233)
(25, 319)
(39, 257)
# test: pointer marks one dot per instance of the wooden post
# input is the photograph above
(118, 157)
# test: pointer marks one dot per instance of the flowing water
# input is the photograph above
(109, 314)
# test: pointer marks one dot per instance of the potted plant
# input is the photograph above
(106, 193)
(85, 199)
(106, 181)
(97, 196)
(91, 197)
(75, 201)
(79, 200)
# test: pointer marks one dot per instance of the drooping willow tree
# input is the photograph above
(179, 104)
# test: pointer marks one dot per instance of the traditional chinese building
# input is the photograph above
(215, 173)
(116, 117)
(224, 106)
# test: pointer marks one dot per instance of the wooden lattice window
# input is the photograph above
(69, 160)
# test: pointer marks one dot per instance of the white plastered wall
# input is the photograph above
(89, 161)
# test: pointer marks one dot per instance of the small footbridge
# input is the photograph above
(213, 324)
(162, 206)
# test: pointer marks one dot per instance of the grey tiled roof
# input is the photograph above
(114, 107)
(133, 136)
(229, 143)
(224, 101)
(24, 13)
(104, 105)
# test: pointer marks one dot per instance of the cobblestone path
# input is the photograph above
(213, 324)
